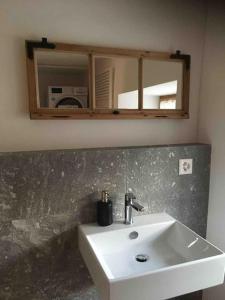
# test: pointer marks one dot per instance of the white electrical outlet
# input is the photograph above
(185, 166)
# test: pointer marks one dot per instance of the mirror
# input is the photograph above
(162, 84)
(62, 79)
(87, 82)
(115, 82)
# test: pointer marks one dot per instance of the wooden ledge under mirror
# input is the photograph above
(84, 82)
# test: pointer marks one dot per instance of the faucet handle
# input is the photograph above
(130, 196)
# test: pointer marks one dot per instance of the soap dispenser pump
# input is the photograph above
(104, 210)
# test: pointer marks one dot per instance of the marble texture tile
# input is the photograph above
(44, 195)
(152, 174)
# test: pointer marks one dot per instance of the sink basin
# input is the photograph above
(157, 257)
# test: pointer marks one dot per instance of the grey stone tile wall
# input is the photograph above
(44, 195)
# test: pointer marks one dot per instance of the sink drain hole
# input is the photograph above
(142, 257)
(133, 235)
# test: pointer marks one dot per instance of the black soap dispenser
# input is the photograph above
(104, 210)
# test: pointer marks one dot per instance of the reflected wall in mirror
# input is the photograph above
(162, 84)
(62, 79)
(115, 82)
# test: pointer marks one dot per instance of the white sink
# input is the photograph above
(178, 260)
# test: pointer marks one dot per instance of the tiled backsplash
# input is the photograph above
(44, 195)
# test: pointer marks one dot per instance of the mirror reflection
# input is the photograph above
(62, 79)
(116, 82)
(162, 84)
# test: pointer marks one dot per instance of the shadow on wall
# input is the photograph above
(40, 260)
(54, 270)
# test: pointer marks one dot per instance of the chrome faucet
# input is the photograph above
(129, 204)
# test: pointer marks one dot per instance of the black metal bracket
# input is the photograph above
(185, 57)
(30, 45)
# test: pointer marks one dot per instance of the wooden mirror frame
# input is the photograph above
(91, 112)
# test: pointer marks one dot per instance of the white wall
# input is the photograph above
(145, 24)
(212, 126)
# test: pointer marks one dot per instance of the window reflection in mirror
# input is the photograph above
(116, 82)
(62, 79)
(162, 84)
